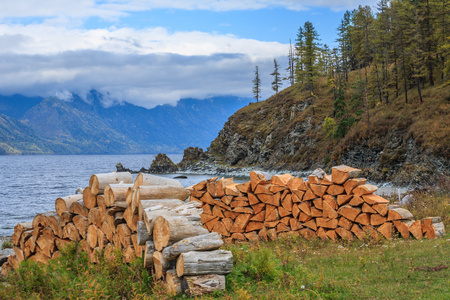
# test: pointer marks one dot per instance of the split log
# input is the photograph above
(344, 234)
(92, 236)
(129, 254)
(117, 193)
(71, 232)
(381, 208)
(46, 242)
(39, 257)
(41, 218)
(81, 224)
(131, 219)
(66, 217)
(62, 204)
(342, 173)
(350, 184)
(194, 286)
(373, 199)
(202, 263)
(205, 242)
(148, 179)
(98, 182)
(29, 247)
(402, 228)
(173, 283)
(335, 189)
(349, 212)
(148, 255)
(95, 217)
(364, 189)
(18, 230)
(124, 233)
(387, 230)
(89, 198)
(399, 214)
(161, 264)
(78, 208)
(376, 219)
(171, 229)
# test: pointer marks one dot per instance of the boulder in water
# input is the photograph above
(162, 164)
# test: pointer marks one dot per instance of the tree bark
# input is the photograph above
(205, 242)
(98, 182)
(207, 262)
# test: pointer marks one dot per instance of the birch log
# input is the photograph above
(207, 262)
(116, 193)
(148, 179)
(98, 182)
(171, 229)
(204, 242)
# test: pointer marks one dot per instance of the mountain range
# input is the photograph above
(34, 125)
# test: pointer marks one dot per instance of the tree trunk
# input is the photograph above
(161, 264)
(194, 286)
(117, 193)
(173, 283)
(148, 179)
(78, 208)
(142, 234)
(148, 256)
(202, 263)
(89, 199)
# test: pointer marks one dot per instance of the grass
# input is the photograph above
(7, 244)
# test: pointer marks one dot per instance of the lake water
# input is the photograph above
(31, 184)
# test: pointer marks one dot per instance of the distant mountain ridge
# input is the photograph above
(33, 125)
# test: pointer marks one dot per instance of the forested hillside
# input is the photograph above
(380, 101)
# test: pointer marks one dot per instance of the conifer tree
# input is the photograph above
(276, 83)
(256, 84)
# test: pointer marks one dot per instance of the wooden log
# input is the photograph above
(376, 219)
(161, 264)
(399, 214)
(204, 262)
(205, 242)
(6, 268)
(129, 254)
(373, 199)
(349, 212)
(335, 189)
(363, 219)
(78, 208)
(29, 247)
(144, 204)
(39, 257)
(332, 235)
(131, 219)
(356, 201)
(307, 233)
(148, 179)
(381, 208)
(46, 242)
(82, 224)
(358, 232)
(240, 223)
(162, 192)
(281, 180)
(142, 234)
(148, 254)
(318, 190)
(41, 219)
(327, 223)
(371, 232)
(257, 177)
(194, 286)
(345, 223)
(118, 193)
(18, 230)
(344, 234)
(364, 189)
(71, 232)
(62, 204)
(296, 183)
(98, 182)
(89, 199)
(124, 233)
(366, 208)
(66, 217)
(92, 236)
(350, 184)
(328, 211)
(169, 207)
(387, 230)
(342, 173)
(171, 229)
(95, 217)
(173, 283)
(402, 228)
(343, 199)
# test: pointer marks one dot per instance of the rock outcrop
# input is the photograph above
(162, 164)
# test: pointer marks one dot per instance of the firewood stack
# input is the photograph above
(146, 217)
(336, 206)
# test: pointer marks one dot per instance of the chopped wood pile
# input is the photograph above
(336, 206)
(148, 217)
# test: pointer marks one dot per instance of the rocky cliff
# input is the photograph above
(402, 143)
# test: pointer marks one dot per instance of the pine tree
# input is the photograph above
(291, 65)
(276, 83)
(310, 53)
(256, 85)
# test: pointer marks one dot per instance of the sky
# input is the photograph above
(151, 52)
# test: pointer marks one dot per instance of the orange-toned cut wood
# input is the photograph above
(307, 233)
(232, 190)
(272, 214)
(210, 224)
(220, 228)
(311, 224)
(335, 189)
(270, 199)
(199, 186)
(416, 230)
(295, 210)
(252, 226)
(374, 199)
(207, 209)
(230, 214)
(240, 223)
(287, 203)
(364, 189)
(206, 218)
(402, 228)
(283, 212)
(281, 180)
(295, 183)
(263, 234)
(272, 234)
(331, 200)
(317, 189)
(276, 188)
(363, 219)
(238, 237)
(252, 199)
(285, 220)
(309, 195)
(399, 214)
(297, 195)
(313, 179)
(345, 223)
(366, 208)
(305, 207)
(428, 228)
(207, 198)
(350, 184)
(342, 173)
(343, 199)
(228, 223)
(271, 224)
(237, 203)
(322, 234)
(316, 213)
(349, 212)
(218, 212)
(318, 203)
(258, 207)
(282, 228)
(327, 223)
(252, 236)
(328, 211)
(244, 187)
(219, 203)
(302, 217)
(326, 180)
(332, 235)
(304, 186)
(344, 234)
(356, 201)
(263, 189)
(197, 194)
(244, 210)
(381, 208)
(387, 230)
(294, 224)
(376, 219)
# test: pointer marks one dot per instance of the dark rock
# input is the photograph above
(121, 168)
(192, 156)
(162, 164)
(180, 177)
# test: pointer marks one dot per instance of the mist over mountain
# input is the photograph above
(33, 125)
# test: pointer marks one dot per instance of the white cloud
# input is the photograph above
(117, 8)
(146, 67)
